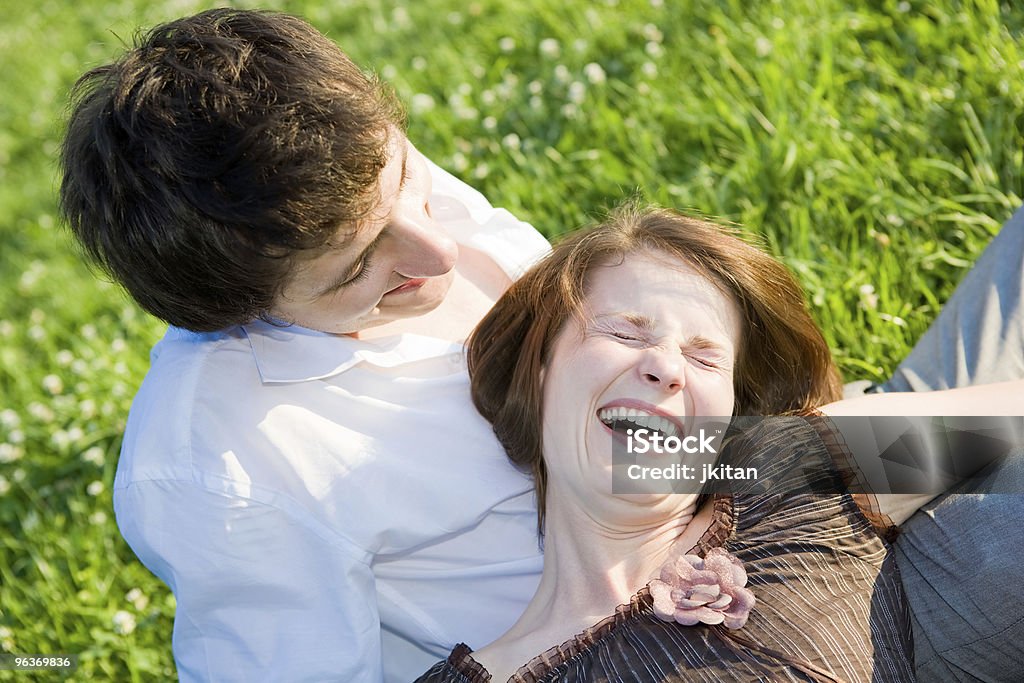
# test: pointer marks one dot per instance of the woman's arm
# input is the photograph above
(1004, 398)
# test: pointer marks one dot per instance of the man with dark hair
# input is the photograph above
(302, 465)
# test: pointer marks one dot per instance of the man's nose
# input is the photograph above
(426, 249)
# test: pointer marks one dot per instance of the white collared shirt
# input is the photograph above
(326, 508)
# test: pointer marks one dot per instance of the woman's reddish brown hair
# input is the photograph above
(783, 367)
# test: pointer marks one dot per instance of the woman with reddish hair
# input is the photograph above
(654, 321)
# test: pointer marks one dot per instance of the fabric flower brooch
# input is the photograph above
(691, 590)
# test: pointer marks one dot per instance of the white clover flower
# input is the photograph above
(454, 18)
(60, 439)
(595, 73)
(388, 72)
(400, 16)
(6, 328)
(649, 69)
(124, 622)
(488, 97)
(868, 298)
(53, 384)
(118, 345)
(577, 92)
(562, 74)
(5, 485)
(652, 32)
(570, 111)
(422, 102)
(36, 333)
(549, 47)
(98, 518)
(95, 456)
(481, 171)
(763, 46)
(580, 45)
(31, 276)
(9, 453)
(16, 436)
(535, 87)
(95, 488)
(464, 89)
(87, 408)
(75, 434)
(88, 331)
(419, 63)
(40, 411)
(490, 123)
(64, 358)
(137, 598)
(459, 162)
(536, 103)
(10, 418)
(654, 49)
(511, 141)
(507, 44)
(36, 317)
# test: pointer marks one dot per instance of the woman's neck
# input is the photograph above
(590, 568)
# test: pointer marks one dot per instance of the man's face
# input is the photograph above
(398, 264)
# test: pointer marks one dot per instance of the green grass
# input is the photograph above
(876, 146)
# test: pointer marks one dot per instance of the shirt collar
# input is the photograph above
(297, 354)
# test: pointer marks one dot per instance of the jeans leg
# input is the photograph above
(960, 557)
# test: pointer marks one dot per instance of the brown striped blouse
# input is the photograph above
(829, 601)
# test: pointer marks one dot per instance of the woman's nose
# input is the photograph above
(664, 369)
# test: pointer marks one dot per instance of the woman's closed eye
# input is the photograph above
(626, 336)
(711, 363)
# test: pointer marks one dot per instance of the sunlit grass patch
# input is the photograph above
(875, 146)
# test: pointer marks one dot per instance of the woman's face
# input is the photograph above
(659, 341)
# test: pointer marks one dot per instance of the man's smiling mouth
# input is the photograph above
(620, 418)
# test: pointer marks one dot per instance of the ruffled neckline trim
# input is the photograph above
(723, 524)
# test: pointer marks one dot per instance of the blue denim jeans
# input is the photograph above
(961, 557)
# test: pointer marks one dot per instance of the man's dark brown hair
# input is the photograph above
(783, 365)
(200, 162)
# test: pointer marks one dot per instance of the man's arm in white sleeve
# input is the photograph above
(261, 594)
